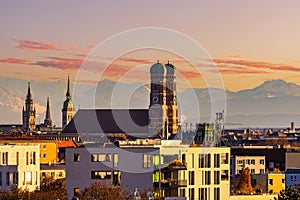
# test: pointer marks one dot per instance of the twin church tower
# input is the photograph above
(29, 112)
(163, 109)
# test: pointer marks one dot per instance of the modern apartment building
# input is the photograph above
(207, 173)
(19, 167)
(130, 166)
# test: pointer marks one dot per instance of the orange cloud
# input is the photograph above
(257, 64)
(32, 45)
(15, 61)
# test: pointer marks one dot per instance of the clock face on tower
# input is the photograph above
(155, 99)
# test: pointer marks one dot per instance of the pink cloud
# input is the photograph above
(32, 45)
(15, 61)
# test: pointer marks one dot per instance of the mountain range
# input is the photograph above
(274, 103)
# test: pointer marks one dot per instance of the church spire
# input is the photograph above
(48, 121)
(68, 94)
(28, 91)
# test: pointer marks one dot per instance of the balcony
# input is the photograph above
(171, 183)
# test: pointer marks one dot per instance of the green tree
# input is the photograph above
(289, 193)
(104, 191)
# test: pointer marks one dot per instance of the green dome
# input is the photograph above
(170, 68)
(157, 68)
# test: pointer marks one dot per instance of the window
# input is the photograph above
(101, 157)
(44, 155)
(116, 160)
(146, 160)
(252, 162)
(101, 175)
(252, 171)
(216, 160)
(224, 158)
(44, 146)
(283, 180)
(207, 178)
(204, 161)
(60, 174)
(261, 171)
(192, 160)
(216, 177)
(7, 178)
(76, 157)
(270, 181)
(182, 192)
(203, 193)
(240, 162)
(191, 178)
(262, 161)
(28, 178)
(248, 161)
(32, 158)
(192, 193)
(117, 178)
(5, 158)
(216, 193)
(224, 175)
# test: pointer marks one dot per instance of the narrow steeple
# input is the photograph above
(68, 94)
(48, 121)
(48, 110)
(28, 91)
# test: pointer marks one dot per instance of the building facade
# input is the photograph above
(132, 167)
(28, 113)
(19, 167)
(292, 177)
(207, 173)
(256, 164)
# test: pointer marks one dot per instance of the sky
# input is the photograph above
(248, 41)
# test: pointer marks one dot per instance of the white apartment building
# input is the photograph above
(207, 173)
(128, 166)
(256, 164)
(19, 167)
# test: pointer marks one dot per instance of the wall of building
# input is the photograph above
(134, 172)
(210, 177)
(20, 167)
(256, 164)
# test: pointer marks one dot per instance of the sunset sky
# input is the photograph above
(249, 41)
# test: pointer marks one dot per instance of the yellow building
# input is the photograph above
(48, 148)
(276, 182)
(273, 182)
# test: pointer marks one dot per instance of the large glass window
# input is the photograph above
(217, 194)
(101, 174)
(146, 160)
(216, 160)
(191, 178)
(217, 177)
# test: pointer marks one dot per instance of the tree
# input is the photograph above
(104, 191)
(289, 193)
(244, 182)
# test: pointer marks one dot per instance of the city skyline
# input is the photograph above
(249, 42)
